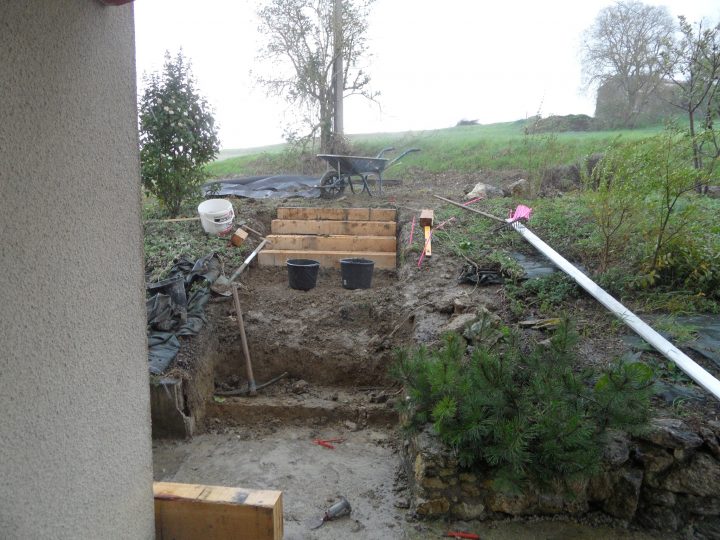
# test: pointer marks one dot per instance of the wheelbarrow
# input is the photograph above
(341, 170)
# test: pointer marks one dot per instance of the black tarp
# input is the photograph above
(176, 307)
(265, 187)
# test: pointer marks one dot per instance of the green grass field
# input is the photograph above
(464, 149)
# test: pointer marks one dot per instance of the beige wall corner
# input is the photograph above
(75, 451)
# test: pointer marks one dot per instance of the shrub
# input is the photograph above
(177, 135)
(527, 415)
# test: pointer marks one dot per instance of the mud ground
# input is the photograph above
(364, 469)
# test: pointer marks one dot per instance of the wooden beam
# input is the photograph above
(338, 214)
(427, 217)
(192, 512)
(333, 243)
(327, 259)
(428, 241)
(312, 226)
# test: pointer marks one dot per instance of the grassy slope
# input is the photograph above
(457, 149)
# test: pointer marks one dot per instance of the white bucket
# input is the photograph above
(216, 216)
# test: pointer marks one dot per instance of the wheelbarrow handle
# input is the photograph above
(405, 153)
(388, 149)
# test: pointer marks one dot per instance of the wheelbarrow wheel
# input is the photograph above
(331, 186)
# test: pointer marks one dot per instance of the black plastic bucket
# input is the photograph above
(356, 273)
(302, 273)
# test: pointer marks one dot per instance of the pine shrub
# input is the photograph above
(526, 414)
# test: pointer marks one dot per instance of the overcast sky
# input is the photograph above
(433, 61)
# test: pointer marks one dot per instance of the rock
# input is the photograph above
(484, 331)
(623, 501)
(460, 322)
(713, 192)
(402, 502)
(352, 426)
(467, 477)
(617, 448)
(486, 191)
(466, 510)
(300, 387)
(711, 441)
(469, 489)
(519, 188)
(433, 507)
(654, 459)
(600, 486)
(658, 517)
(461, 305)
(658, 497)
(701, 477)
(707, 529)
(515, 505)
(432, 482)
(672, 433)
(701, 506)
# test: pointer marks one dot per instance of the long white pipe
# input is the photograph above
(693, 370)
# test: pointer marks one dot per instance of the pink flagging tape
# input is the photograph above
(412, 230)
(471, 201)
(521, 212)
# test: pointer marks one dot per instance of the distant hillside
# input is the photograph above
(461, 149)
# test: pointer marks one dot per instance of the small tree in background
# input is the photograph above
(177, 135)
(300, 50)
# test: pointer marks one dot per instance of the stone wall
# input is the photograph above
(668, 479)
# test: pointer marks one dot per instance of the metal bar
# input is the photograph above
(247, 261)
(645, 331)
(501, 220)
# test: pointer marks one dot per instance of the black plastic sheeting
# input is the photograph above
(177, 308)
(265, 187)
(705, 330)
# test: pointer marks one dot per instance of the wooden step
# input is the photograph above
(338, 214)
(327, 259)
(323, 227)
(332, 243)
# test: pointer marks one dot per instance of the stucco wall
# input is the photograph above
(75, 450)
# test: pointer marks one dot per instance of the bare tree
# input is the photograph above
(693, 65)
(301, 43)
(625, 47)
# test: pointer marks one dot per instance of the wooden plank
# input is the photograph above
(314, 226)
(333, 243)
(191, 511)
(338, 214)
(327, 259)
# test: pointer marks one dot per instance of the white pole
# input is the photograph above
(690, 367)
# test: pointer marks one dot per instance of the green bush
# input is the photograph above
(528, 415)
(177, 135)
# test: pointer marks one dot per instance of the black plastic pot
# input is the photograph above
(356, 273)
(302, 273)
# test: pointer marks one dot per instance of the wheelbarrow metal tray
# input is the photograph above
(354, 164)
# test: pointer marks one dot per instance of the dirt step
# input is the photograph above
(327, 259)
(309, 405)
